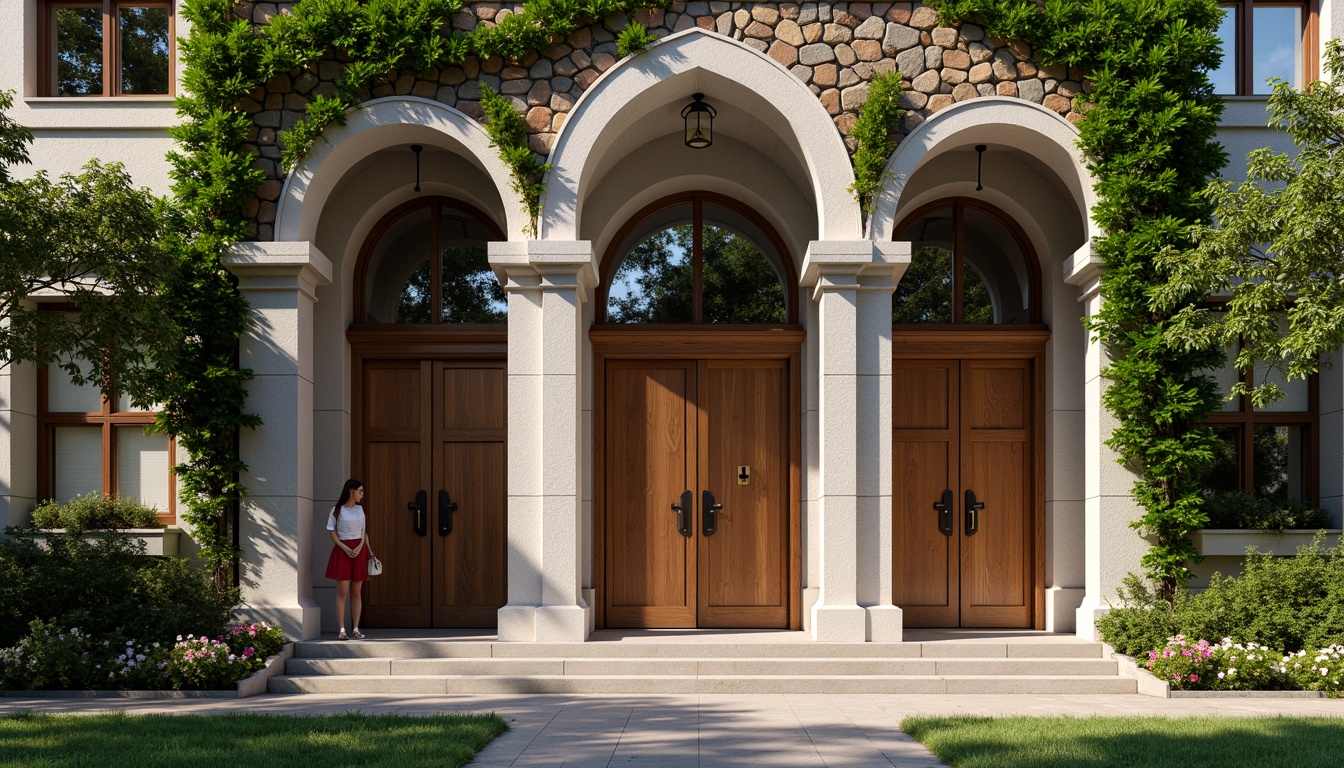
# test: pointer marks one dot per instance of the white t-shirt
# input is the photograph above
(350, 525)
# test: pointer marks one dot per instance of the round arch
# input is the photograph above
(1003, 120)
(382, 124)
(783, 263)
(641, 84)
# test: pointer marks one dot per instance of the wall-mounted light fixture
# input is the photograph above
(699, 118)
(416, 148)
(979, 160)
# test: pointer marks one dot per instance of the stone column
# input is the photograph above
(548, 283)
(852, 283)
(279, 280)
(1111, 548)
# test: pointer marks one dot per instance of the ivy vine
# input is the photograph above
(879, 118)
(1149, 140)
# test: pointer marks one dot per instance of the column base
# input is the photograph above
(1087, 615)
(1061, 608)
(544, 623)
(839, 623)
(298, 621)
(810, 597)
(885, 624)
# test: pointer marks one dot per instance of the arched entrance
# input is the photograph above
(429, 347)
(696, 367)
(968, 433)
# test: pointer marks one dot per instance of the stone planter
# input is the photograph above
(1214, 542)
(1149, 685)
(157, 541)
(252, 685)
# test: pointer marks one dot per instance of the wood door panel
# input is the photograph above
(469, 563)
(650, 434)
(392, 396)
(998, 395)
(743, 567)
(472, 398)
(401, 596)
(924, 394)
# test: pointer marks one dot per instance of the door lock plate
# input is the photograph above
(744, 475)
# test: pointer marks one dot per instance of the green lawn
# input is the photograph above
(1132, 742)
(229, 741)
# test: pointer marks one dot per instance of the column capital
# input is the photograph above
(848, 260)
(1083, 271)
(279, 266)
(545, 263)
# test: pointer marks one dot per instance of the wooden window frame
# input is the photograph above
(1246, 419)
(612, 259)
(46, 49)
(436, 205)
(108, 420)
(1243, 46)
(958, 206)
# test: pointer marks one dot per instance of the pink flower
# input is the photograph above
(1194, 678)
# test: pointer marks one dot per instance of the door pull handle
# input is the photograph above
(709, 513)
(418, 507)
(945, 513)
(446, 509)
(684, 512)
(973, 509)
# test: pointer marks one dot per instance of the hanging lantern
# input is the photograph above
(416, 148)
(699, 118)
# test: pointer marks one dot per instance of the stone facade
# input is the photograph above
(834, 48)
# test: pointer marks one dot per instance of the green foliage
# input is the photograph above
(508, 134)
(1246, 511)
(106, 586)
(95, 512)
(1285, 603)
(633, 39)
(879, 117)
(1277, 247)
(14, 138)
(1150, 146)
(95, 238)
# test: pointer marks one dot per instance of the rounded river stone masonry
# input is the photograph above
(835, 49)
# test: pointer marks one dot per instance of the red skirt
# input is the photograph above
(343, 567)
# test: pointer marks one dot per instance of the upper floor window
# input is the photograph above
(1262, 39)
(107, 48)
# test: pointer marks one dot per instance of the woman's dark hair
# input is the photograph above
(350, 485)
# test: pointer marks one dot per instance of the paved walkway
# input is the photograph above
(701, 731)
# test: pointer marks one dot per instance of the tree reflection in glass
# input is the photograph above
(471, 293)
(655, 282)
(144, 50)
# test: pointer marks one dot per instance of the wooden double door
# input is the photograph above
(431, 442)
(696, 482)
(965, 491)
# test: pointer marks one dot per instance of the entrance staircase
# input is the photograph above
(736, 663)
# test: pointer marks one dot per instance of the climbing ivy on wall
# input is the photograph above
(1149, 142)
(225, 59)
(879, 117)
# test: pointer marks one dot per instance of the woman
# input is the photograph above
(349, 561)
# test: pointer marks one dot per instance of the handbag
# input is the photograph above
(375, 566)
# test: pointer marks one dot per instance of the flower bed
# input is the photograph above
(1230, 666)
(52, 658)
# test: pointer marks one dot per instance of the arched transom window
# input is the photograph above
(697, 258)
(968, 264)
(425, 263)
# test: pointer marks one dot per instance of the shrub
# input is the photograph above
(1321, 670)
(1287, 603)
(103, 584)
(198, 662)
(1224, 666)
(139, 667)
(1246, 511)
(264, 640)
(94, 512)
(50, 657)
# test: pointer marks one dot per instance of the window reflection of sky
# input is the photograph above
(626, 281)
(1277, 45)
(1224, 78)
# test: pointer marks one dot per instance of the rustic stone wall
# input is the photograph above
(834, 48)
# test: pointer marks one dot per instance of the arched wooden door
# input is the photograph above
(429, 413)
(968, 434)
(696, 434)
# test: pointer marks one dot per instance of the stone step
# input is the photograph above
(447, 649)
(634, 667)
(729, 684)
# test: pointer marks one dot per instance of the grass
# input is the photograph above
(1131, 742)
(272, 741)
